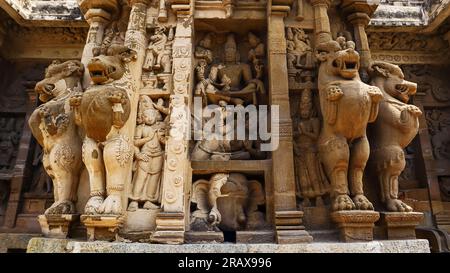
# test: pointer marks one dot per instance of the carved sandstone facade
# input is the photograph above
(122, 125)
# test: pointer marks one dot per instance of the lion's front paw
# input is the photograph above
(397, 206)
(375, 93)
(343, 202)
(93, 205)
(44, 111)
(117, 97)
(414, 110)
(111, 205)
(334, 93)
(75, 100)
(61, 207)
(362, 203)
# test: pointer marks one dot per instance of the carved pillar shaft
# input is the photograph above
(321, 20)
(135, 39)
(176, 181)
(286, 215)
(97, 19)
(360, 21)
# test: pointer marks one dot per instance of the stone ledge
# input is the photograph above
(47, 245)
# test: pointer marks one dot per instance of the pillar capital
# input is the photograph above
(359, 18)
(326, 3)
(97, 15)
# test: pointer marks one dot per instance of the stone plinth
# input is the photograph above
(58, 225)
(102, 227)
(290, 229)
(400, 225)
(203, 237)
(255, 237)
(355, 225)
(38, 245)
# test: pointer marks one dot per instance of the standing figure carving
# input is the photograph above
(158, 57)
(149, 140)
(347, 105)
(396, 126)
(311, 180)
(299, 51)
(53, 126)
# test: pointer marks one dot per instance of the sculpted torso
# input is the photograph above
(353, 109)
(400, 119)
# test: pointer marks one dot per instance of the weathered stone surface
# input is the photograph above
(400, 225)
(57, 245)
(15, 241)
(355, 225)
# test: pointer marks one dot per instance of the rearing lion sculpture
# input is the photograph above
(347, 105)
(102, 110)
(53, 126)
(396, 126)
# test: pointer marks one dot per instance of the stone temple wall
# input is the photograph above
(104, 136)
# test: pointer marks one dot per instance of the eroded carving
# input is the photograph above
(396, 126)
(228, 201)
(53, 126)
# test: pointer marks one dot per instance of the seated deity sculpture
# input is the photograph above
(230, 81)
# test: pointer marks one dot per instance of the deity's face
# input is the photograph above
(206, 42)
(305, 110)
(230, 55)
(253, 40)
(149, 117)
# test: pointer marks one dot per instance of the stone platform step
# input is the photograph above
(37, 245)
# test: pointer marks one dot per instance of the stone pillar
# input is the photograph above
(288, 220)
(97, 19)
(321, 21)
(171, 222)
(135, 39)
(360, 21)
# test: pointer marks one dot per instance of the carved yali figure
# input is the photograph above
(311, 180)
(159, 51)
(102, 111)
(347, 105)
(149, 140)
(299, 51)
(53, 126)
(238, 208)
(396, 126)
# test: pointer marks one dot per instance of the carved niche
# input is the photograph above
(229, 71)
(227, 202)
(438, 121)
(10, 132)
(157, 67)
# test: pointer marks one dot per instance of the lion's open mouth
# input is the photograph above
(403, 92)
(349, 65)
